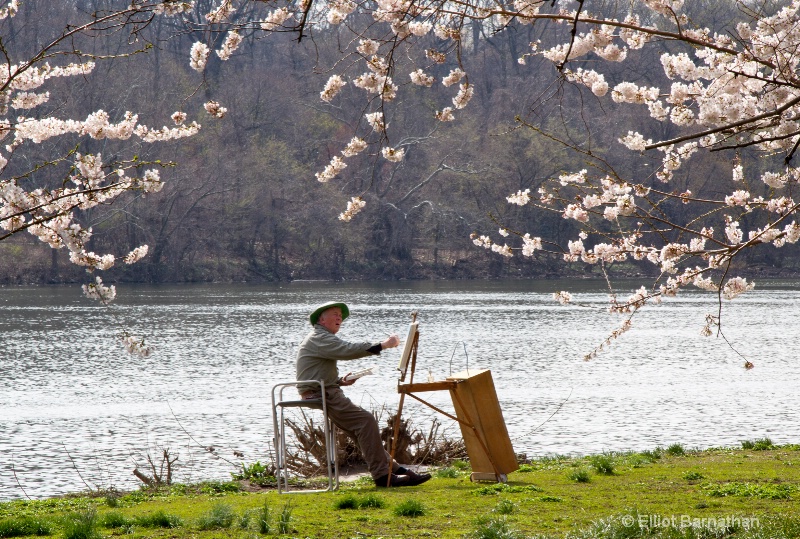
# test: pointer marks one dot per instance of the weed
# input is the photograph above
(653, 455)
(350, 501)
(115, 519)
(371, 501)
(218, 487)
(22, 526)
(505, 507)
(244, 520)
(461, 465)
(263, 519)
(762, 444)
(602, 464)
(526, 468)
(493, 528)
(257, 473)
(550, 499)
(81, 525)
(112, 501)
(447, 473)
(219, 517)
(159, 519)
(285, 518)
(581, 475)
(675, 450)
(409, 508)
(693, 476)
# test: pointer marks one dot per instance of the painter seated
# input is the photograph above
(317, 360)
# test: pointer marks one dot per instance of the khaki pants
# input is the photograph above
(360, 425)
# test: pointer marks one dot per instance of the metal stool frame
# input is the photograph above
(281, 470)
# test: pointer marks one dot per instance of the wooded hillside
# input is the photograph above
(242, 202)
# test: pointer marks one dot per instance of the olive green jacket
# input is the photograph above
(318, 354)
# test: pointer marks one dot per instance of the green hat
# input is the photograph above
(314, 316)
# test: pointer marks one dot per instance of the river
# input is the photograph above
(77, 410)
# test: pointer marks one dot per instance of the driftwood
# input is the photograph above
(158, 479)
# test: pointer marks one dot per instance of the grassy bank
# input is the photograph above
(671, 492)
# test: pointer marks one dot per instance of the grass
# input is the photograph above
(542, 502)
(603, 464)
(81, 525)
(24, 526)
(219, 517)
(409, 508)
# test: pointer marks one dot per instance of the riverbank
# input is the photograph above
(672, 492)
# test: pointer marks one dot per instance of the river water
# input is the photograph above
(76, 410)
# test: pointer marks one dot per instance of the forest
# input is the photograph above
(241, 202)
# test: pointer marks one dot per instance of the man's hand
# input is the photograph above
(345, 382)
(391, 342)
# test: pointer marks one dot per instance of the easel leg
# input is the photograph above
(394, 436)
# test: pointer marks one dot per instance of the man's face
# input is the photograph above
(331, 319)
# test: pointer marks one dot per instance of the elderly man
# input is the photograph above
(316, 360)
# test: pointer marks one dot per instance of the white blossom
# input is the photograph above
(394, 155)
(332, 87)
(199, 56)
(215, 109)
(232, 42)
(354, 206)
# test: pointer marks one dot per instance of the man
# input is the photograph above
(316, 360)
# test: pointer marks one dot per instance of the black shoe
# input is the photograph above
(416, 478)
(394, 480)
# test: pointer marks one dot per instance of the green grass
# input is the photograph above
(762, 444)
(410, 508)
(24, 526)
(541, 502)
(603, 464)
(219, 517)
(579, 475)
(81, 525)
(675, 450)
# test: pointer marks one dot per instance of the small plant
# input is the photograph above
(371, 501)
(263, 519)
(653, 455)
(347, 502)
(526, 468)
(602, 464)
(256, 473)
(220, 517)
(461, 465)
(693, 476)
(505, 507)
(762, 444)
(675, 450)
(581, 475)
(23, 526)
(159, 519)
(218, 487)
(112, 519)
(447, 473)
(493, 528)
(550, 499)
(81, 526)
(409, 508)
(284, 519)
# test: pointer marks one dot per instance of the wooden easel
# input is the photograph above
(477, 412)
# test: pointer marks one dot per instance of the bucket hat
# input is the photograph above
(314, 316)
